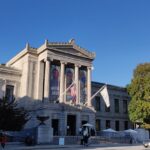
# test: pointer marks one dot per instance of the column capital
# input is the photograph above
(89, 67)
(48, 59)
(63, 62)
(77, 65)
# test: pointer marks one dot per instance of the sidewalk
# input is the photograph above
(16, 146)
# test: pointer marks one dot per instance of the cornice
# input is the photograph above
(84, 51)
(9, 70)
(66, 59)
(55, 46)
(71, 44)
(111, 87)
(25, 51)
(42, 48)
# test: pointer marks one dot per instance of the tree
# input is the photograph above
(139, 91)
(12, 118)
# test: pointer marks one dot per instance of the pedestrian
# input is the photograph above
(3, 140)
(86, 136)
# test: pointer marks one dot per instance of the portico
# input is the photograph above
(62, 63)
(56, 81)
(45, 75)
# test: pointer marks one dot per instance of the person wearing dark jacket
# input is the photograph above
(86, 136)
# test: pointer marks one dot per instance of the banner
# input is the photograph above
(54, 82)
(83, 86)
(70, 93)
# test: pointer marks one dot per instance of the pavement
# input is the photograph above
(17, 146)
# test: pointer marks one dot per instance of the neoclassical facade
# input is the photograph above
(52, 80)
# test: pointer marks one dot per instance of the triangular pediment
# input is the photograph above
(72, 50)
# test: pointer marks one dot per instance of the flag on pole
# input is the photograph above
(105, 95)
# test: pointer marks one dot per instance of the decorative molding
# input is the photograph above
(9, 70)
(27, 50)
(71, 60)
(77, 52)
(54, 46)
(72, 41)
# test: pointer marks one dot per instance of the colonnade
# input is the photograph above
(46, 76)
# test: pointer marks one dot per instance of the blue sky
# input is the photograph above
(118, 31)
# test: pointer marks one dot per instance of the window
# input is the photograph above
(116, 101)
(98, 124)
(107, 124)
(9, 92)
(126, 125)
(97, 103)
(125, 106)
(117, 125)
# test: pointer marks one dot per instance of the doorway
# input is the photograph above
(71, 125)
(55, 124)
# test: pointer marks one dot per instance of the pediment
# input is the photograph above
(72, 50)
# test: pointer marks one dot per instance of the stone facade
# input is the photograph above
(49, 81)
(116, 116)
(55, 80)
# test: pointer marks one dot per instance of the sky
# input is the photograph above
(118, 31)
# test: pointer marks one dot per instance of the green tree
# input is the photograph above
(12, 118)
(139, 91)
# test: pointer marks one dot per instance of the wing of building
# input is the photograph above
(55, 80)
(115, 116)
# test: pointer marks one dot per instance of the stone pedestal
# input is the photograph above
(44, 134)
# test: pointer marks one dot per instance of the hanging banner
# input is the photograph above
(71, 93)
(54, 82)
(83, 86)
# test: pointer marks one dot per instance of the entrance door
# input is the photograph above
(55, 123)
(71, 125)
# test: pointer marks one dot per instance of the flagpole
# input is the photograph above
(98, 91)
(66, 89)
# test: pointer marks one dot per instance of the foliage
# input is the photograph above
(139, 90)
(12, 118)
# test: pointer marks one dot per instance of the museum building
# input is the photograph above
(54, 80)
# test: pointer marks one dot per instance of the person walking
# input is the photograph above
(85, 136)
(3, 140)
